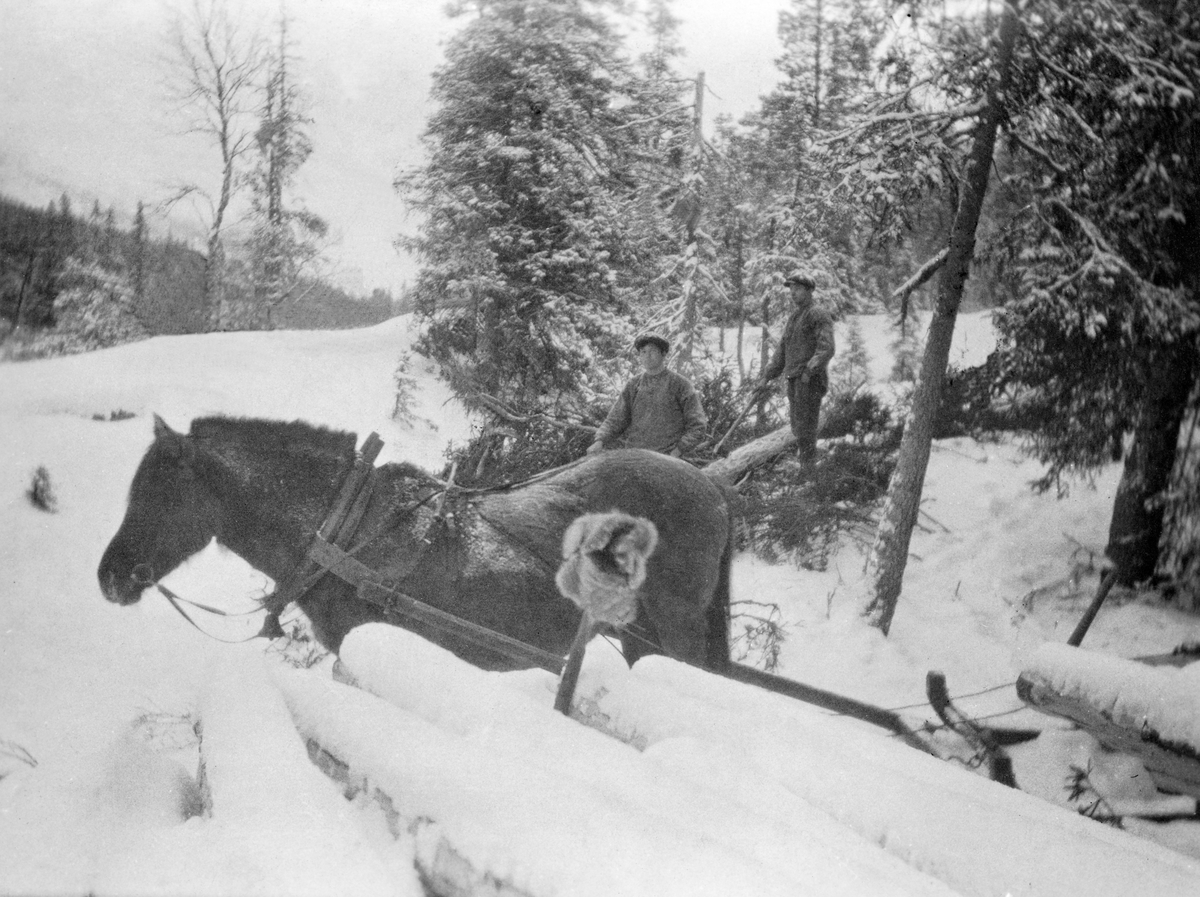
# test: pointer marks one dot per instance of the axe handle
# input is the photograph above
(754, 397)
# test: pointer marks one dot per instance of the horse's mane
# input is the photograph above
(261, 431)
(304, 450)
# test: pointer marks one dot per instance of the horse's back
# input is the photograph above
(688, 508)
(686, 594)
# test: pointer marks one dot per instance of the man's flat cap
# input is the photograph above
(801, 278)
(652, 339)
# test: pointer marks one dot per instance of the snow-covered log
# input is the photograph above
(975, 835)
(517, 825)
(1152, 712)
(751, 455)
(660, 820)
(259, 781)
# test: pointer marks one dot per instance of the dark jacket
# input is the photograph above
(659, 412)
(807, 343)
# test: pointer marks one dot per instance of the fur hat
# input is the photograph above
(801, 278)
(652, 339)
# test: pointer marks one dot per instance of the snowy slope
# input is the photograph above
(104, 698)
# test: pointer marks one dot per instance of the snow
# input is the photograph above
(680, 782)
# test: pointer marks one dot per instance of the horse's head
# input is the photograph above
(172, 514)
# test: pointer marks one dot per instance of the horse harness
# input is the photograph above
(328, 553)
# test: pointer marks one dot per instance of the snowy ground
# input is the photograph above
(698, 785)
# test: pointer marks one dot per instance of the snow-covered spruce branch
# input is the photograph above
(1067, 279)
(900, 97)
(943, 116)
(1145, 58)
(653, 118)
(1048, 63)
(1041, 154)
(1072, 114)
(716, 286)
(1101, 247)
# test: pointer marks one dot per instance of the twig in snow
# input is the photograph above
(14, 750)
(935, 521)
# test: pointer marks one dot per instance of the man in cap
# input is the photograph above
(802, 356)
(657, 410)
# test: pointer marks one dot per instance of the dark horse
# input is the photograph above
(263, 488)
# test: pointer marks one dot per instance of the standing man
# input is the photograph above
(802, 356)
(657, 410)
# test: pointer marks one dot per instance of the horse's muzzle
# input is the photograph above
(126, 589)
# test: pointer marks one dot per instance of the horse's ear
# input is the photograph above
(179, 445)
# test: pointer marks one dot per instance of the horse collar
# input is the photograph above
(340, 524)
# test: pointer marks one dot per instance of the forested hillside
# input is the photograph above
(70, 283)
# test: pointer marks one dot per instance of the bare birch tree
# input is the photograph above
(212, 75)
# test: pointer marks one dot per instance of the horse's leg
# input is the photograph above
(668, 624)
(682, 630)
(686, 599)
(639, 638)
(717, 613)
(333, 608)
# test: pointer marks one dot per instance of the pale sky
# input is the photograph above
(83, 109)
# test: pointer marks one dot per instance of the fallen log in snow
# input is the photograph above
(675, 821)
(753, 454)
(766, 449)
(1152, 712)
(511, 823)
(257, 778)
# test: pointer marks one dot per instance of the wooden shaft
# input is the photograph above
(570, 673)
(1085, 622)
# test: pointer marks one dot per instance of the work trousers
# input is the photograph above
(804, 406)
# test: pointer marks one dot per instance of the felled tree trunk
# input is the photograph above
(753, 454)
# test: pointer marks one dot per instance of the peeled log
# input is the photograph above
(753, 454)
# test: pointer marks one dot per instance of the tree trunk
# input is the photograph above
(889, 555)
(1137, 518)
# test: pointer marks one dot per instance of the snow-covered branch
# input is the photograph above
(1041, 154)
(944, 116)
(653, 118)
(922, 275)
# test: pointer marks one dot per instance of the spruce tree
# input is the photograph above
(1104, 334)
(285, 236)
(527, 264)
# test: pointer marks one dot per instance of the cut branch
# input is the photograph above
(503, 412)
